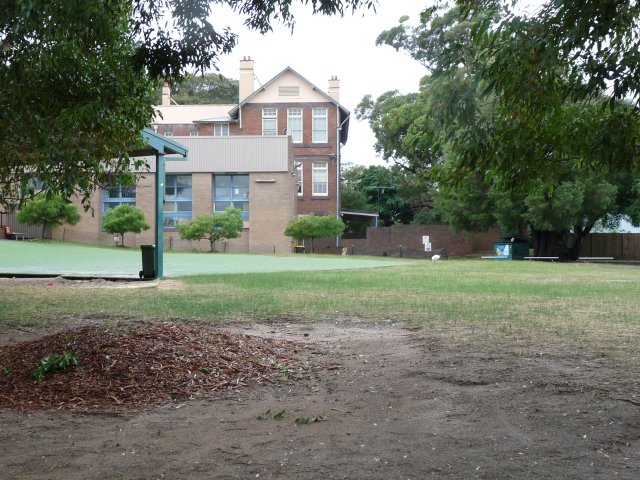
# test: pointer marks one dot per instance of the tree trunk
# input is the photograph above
(574, 243)
(564, 245)
(43, 228)
(545, 243)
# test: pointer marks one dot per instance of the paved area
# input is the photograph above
(53, 258)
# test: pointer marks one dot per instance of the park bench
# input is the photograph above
(547, 259)
(594, 259)
(13, 235)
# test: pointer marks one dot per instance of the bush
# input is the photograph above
(48, 211)
(312, 226)
(213, 227)
(124, 218)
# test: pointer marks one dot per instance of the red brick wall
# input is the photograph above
(406, 241)
(305, 152)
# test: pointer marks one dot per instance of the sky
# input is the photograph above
(321, 47)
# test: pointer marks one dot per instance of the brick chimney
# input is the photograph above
(246, 78)
(334, 88)
(166, 94)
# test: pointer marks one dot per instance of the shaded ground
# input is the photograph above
(399, 404)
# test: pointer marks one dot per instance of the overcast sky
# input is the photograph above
(321, 47)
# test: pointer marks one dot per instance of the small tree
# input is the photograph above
(213, 227)
(48, 211)
(312, 227)
(124, 218)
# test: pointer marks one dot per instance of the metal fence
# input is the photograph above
(30, 231)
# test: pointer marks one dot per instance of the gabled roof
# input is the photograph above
(344, 113)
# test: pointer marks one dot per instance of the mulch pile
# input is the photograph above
(130, 366)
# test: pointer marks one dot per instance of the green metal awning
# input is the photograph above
(154, 143)
(159, 146)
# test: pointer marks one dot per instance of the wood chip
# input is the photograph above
(132, 366)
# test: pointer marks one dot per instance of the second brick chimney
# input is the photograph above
(246, 78)
(166, 94)
(334, 88)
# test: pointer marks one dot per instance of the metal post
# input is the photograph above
(338, 169)
(160, 180)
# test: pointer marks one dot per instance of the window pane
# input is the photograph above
(183, 206)
(178, 193)
(222, 206)
(221, 130)
(269, 121)
(184, 180)
(129, 191)
(269, 128)
(233, 193)
(184, 192)
(320, 126)
(222, 192)
(320, 177)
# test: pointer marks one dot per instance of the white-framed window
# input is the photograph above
(177, 200)
(300, 176)
(320, 125)
(231, 191)
(294, 124)
(168, 134)
(114, 196)
(193, 134)
(221, 129)
(269, 122)
(320, 178)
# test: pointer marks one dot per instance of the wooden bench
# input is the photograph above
(594, 259)
(495, 257)
(549, 259)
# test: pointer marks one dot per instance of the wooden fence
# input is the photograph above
(620, 246)
(30, 231)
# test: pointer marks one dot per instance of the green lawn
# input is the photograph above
(53, 258)
(576, 300)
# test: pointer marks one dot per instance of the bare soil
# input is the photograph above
(383, 402)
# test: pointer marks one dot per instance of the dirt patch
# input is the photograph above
(393, 404)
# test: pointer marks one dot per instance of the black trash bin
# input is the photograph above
(148, 261)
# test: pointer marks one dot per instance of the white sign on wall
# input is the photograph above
(426, 243)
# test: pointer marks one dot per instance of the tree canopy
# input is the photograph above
(211, 88)
(313, 226)
(556, 164)
(213, 227)
(77, 79)
(124, 218)
(48, 211)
